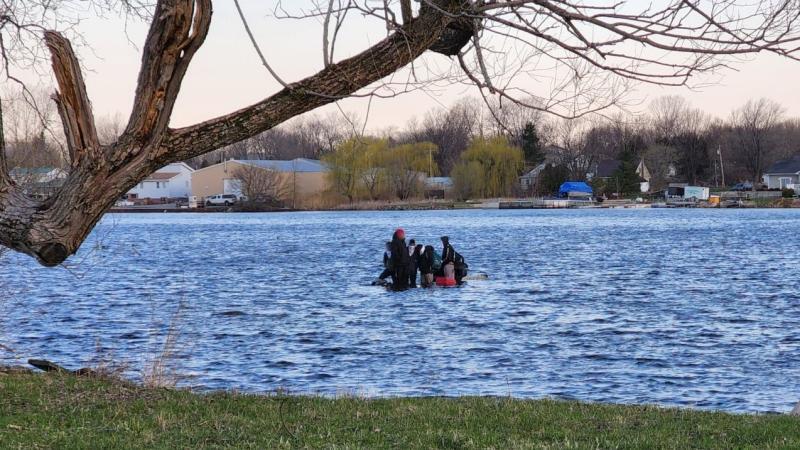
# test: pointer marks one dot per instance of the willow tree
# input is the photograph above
(488, 168)
(498, 46)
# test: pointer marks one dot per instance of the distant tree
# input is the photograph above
(531, 146)
(551, 178)
(754, 131)
(373, 176)
(451, 132)
(625, 180)
(468, 179)
(489, 168)
(263, 187)
(347, 166)
(407, 164)
(660, 160)
(693, 158)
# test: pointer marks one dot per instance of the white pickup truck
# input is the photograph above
(221, 200)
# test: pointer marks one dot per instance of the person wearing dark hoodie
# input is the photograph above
(453, 264)
(387, 262)
(426, 269)
(400, 261)
(413, 258)
(448, 258)
(413, 266)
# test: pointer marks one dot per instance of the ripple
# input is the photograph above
(604, 305)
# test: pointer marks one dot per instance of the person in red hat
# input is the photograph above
(400, 260)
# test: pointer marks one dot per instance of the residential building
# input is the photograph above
(26, 175)
(39, 182)
(605, 169)
(169, 182)
(784, 174)
(438, 187)
(300, 178)
(527, 182)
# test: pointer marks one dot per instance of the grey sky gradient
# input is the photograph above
(226, 73)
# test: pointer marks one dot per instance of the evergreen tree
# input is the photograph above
(551, 178)
(625, 179)
(531, 146)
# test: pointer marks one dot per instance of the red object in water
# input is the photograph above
(446, 282)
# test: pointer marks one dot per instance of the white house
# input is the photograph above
(171, 181)
(24, 175)
(783, 174)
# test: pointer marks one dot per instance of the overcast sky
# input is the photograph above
(226, 73)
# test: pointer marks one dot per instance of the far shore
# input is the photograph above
(509, 203)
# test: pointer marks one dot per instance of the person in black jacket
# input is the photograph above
(400, 260)
(426, 266)
(412, 264)
(415, 251)
(460, 266)
(387, 262)
(448, 258)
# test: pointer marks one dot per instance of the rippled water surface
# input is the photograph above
(675, 307)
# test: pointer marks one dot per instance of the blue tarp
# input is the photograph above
(574, 186)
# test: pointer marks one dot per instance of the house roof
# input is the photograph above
(20, 171)
(533, 173)
(294, 165)
(161, 176)
(791, 165)
(175, 166)
(607, 167)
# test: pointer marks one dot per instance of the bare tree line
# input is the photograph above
(674, 138)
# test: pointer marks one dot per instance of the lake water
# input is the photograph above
(695, 308)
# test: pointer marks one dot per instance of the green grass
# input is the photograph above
(60, 411)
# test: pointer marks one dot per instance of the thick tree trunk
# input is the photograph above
(53, 229)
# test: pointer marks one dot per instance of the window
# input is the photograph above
(158, 185)
(785, 181)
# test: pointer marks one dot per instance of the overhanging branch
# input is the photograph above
(178, 30)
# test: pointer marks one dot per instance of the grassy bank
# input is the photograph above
(61, 411)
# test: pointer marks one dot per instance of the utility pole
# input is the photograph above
(721, 166)
(294, 184)
(430, 162)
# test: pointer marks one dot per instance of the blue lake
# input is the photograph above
(696, 308)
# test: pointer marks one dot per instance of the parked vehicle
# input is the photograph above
(746, 186)
(196, 202)
(220, 200)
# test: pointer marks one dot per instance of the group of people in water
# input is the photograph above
(403, 261)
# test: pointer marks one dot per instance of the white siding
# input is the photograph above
(773, 181)
(151, 189)
(178, 186)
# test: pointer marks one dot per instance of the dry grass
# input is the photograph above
(161, 370)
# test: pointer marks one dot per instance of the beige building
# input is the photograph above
(302, 181)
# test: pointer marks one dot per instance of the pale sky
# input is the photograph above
(226, 73)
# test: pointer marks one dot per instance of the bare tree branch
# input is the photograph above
(178, 30)
(72, 101)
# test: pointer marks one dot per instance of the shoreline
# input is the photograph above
(434, 207)
(61, 410)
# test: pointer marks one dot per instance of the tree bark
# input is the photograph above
(53, 229)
